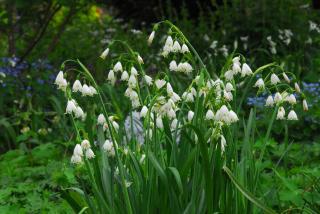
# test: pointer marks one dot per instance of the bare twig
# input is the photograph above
(40, 33)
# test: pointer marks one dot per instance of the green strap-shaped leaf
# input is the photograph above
(83, 209)
(246, 193)
(177, 177)
(158, 168)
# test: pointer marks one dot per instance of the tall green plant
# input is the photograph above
(185, 151)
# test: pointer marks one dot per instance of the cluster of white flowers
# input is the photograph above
(165, 106)
(80, 150)
(236, 68)
(61, 82)
(280, 98)
(285, 36)
(223, 49)
(226, 116)
(314, 26)
(109, 148)
(84, 89)
(131, 79)
(174, 47)
(183, 67)
(74, 108)
(272, 45)
(244, 39)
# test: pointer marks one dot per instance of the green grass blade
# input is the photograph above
(246, 193)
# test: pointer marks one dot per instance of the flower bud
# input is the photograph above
(105, 53)
(151, 37)
(190, 115)
(305, 105)
(297, 88)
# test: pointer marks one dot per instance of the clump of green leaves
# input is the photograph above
(30, 181)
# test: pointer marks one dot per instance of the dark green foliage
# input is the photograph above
(30, 181)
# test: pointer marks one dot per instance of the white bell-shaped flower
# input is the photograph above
(85, 144)
(78, 150)
(115, 125)
(175, 97)
(76, 159)
(108, 148)
(159, 123)
(222, 114)
(101, 120)
(169, 89)
(144, 111)
(227, 95)
(277, 98)
(291, 99)
(132, 82)
(160, 83)
(174, 124)
(246, 70)
(117, 67)
(134, 71)
(189, 97)
(77, 86)
(79, 112)
(209, 115)
(111, 77)
(171, 113)
(184, 49)
(229, 87)
(269, 101)
(124, 76)
(281, 113)
(229, 75)
(59, 78)
(259, 84)
(169, 41)
(176, 47)
(233, 117)
(236, 68)
(93, 91)
(148, 79)
(89, 154)
(292, 115)
(274, 79)
(173, 66)
(85, 90)
(71, 107)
